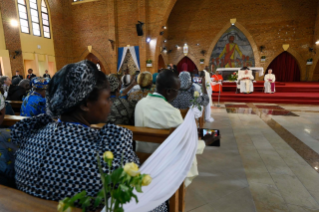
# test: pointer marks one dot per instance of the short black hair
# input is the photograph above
(60, 78)
(165, 79)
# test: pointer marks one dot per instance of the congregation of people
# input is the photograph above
(36, 155)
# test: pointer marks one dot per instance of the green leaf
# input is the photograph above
(124, 188)
(135, 197)
(78, 196)
(138, 188)
(115, 176)
(99, 198)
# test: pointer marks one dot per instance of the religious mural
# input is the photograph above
(232, 50)
(129, 63)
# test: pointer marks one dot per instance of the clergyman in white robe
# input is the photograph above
(246, 82)
(270, 82)
(209, 90)
(154, 111)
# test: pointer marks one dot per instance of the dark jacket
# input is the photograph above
(30, 76)
(17, 76)
(16, 93)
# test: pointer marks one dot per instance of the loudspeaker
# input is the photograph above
(139, 29)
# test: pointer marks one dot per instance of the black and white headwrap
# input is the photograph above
(186, 80)
(77, 85)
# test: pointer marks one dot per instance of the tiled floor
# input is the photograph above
(267, 161)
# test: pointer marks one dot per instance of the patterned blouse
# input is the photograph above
(184, 97)
(57, 159)
(7, 150)
(33, 105)
(122, 112)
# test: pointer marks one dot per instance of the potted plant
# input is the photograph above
(263, 58)
(309, 61)
(201, 61)
(233, 76)
(149, 63)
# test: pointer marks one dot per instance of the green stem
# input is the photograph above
(103, 182)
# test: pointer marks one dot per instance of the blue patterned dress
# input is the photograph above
(33, 105)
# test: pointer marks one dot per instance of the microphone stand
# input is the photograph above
(218, 94)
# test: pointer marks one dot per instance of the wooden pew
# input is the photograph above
(12, 200)
(16, 105)
(201, 120)
(177, 201)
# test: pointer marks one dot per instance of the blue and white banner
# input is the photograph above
(122, 51)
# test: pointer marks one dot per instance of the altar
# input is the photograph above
(226, 72)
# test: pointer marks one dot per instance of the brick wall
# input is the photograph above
(270, 23)
(12, 34)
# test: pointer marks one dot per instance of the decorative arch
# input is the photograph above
(286, 68)
(247, 35)
(186, 63)
(97, 55)
(161, 62)
(91, 57)
(301, 63)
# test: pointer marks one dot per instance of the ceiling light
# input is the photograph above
(148, 40)
(14, 23)
(317, 42)
(164, 27)
(165, 41)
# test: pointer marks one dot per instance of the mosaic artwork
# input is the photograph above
(232, 50)
(129, 63)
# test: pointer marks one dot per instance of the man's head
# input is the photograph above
(30, 71)
(217, 72)
(231, 39)
(17, 73)
(46, 71)
(269, 71)
(168, 84)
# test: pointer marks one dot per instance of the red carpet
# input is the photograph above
(292, 93)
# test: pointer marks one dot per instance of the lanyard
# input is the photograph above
(158, 96)
(74, 123)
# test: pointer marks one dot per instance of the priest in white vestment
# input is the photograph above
(155, 111)
(270, 82)
(246, 82)
(209, 90)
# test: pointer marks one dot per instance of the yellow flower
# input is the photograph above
(8, 130)
(131, 169)
(147, 179)
(9, 140)
(61, 206)
(9, 162)
(108, 155)
(9, 150)
(0, 154)
(196, 94)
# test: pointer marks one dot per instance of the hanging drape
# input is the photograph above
(285, 67)
(168, 166)
(186, 64)
(122, 51)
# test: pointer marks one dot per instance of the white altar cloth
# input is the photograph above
(259, 70)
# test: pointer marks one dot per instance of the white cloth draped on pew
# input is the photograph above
(168, 166)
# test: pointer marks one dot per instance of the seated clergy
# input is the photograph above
(270, 82)
(246, 81)
(217, 80)
(58, 159)
(155, 111)
(34, 103)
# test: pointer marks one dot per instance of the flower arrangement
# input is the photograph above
(117, 189)
(149, 61)
(233, 76)
(263, 57)
(195, 102)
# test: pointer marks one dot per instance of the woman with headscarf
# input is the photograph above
(34, 103)
(7, 151)
(58, 159)
(145, 81)
(122, 110)
(186, 92)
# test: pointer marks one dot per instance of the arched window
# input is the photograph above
(35, 18)
(45, 20)
(23, 15)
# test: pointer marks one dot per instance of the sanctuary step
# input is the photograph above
(278, 97)
(295, 87)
